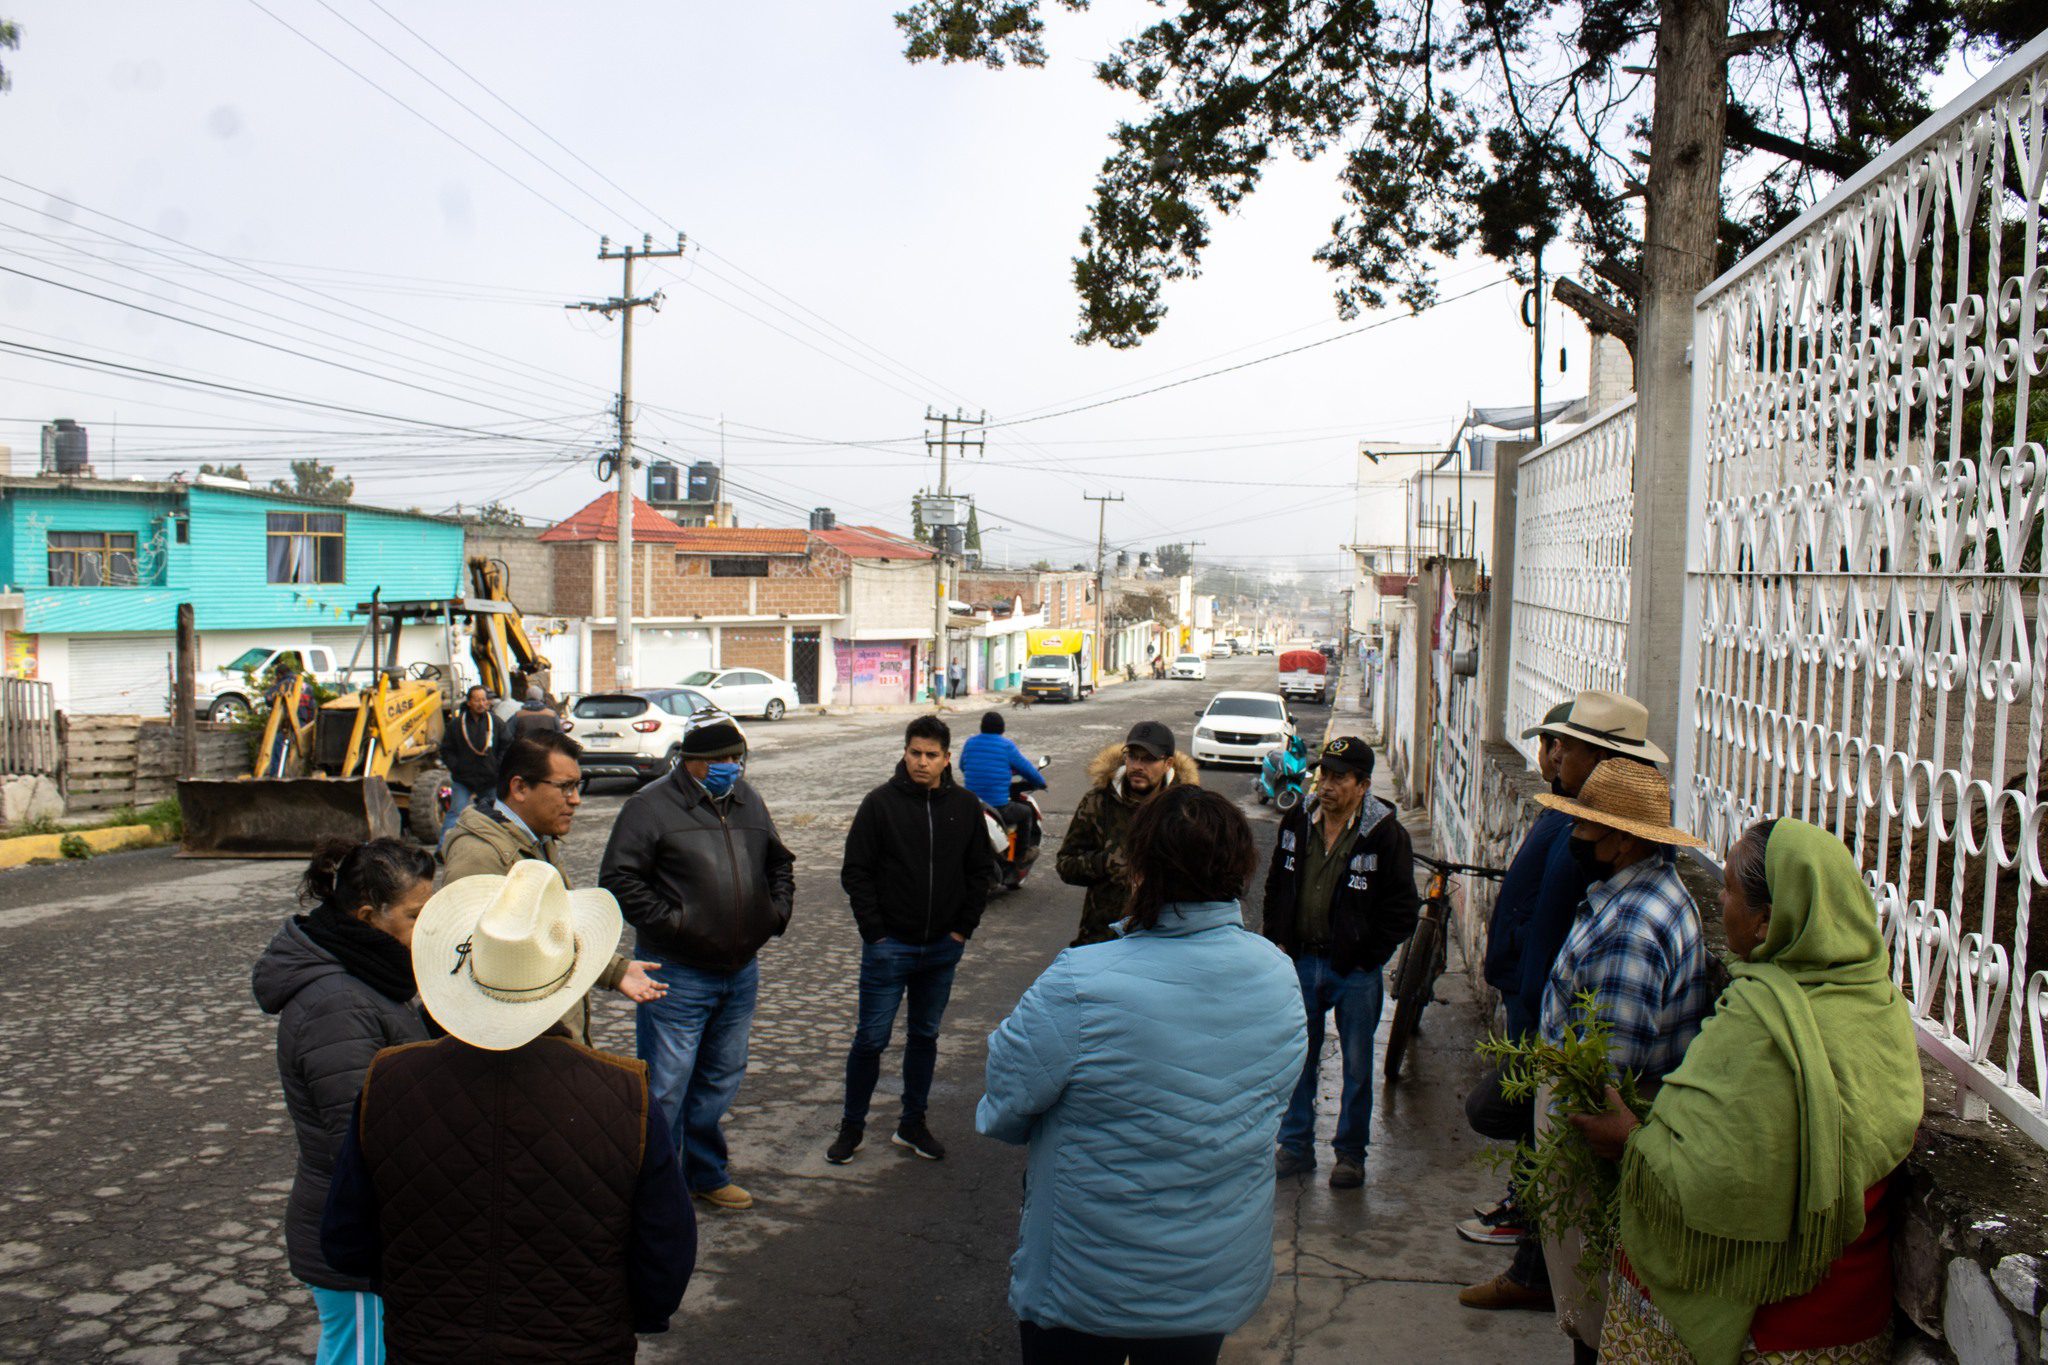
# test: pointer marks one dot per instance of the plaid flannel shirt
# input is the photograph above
(1636, 945)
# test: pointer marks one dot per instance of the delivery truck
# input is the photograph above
(1059, 665)
(1303, 675)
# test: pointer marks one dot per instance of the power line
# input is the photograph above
(366, 80)
(1248, 364)
(161, 376)
(403, 329)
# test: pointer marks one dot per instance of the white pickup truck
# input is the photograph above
(225, 695)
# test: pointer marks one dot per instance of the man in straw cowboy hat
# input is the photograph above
(705, 880)
(1539, 899)
(452, 1183)
(1636, 947)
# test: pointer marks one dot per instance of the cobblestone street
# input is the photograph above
(148, 1153)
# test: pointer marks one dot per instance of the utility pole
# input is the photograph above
(623, 305)
(941, 561)
(1102, 502)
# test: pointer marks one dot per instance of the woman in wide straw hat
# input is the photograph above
(1752, 1219)
(1637, 948)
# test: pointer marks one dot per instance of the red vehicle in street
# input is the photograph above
(1303, 676)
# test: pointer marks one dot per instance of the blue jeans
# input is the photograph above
(888, 969)
(1356, 996)
(694, 1041)
(460, 799)
(351, 1327)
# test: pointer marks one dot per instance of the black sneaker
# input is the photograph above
(913, 1136)
(846, 1144)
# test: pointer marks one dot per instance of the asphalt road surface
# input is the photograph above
(147, 1152)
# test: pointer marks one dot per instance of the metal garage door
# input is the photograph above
(121, 675)
(669, 655)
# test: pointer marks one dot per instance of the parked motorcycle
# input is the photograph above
(1016, 831)
(1283, 775)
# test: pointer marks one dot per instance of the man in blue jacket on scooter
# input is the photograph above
(990, 759)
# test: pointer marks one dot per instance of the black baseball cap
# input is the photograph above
(1349, 754)
(1151, 736)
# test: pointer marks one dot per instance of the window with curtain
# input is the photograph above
(307, 547)
(92, 559)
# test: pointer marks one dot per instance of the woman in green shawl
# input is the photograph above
(1753, 1226)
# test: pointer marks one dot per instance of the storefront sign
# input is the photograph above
(873, 673)
(20, 655)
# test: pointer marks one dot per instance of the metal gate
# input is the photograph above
(803, 665)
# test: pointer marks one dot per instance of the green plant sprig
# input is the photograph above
(1560, 1185)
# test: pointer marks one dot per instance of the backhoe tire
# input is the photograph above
(423, 807)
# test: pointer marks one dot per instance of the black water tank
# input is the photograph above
(704, 481)
(64, 447)
(663, 483)
(824, 519)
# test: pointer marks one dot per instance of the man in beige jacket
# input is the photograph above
(540, 785)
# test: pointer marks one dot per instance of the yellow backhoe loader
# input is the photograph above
(368, 765)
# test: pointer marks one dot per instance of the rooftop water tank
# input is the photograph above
(64, 448)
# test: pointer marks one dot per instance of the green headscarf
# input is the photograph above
(1801, 1091)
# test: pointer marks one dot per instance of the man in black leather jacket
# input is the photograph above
(704, 879)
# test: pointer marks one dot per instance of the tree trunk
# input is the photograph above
(1682, 215)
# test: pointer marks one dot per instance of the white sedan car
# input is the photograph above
(745, 691)
(1241, 727)
(1188, 666)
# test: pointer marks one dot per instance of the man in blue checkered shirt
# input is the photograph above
(1636, 943)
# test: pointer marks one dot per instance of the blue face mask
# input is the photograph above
(718, 781)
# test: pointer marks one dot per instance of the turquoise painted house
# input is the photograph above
(92, 573)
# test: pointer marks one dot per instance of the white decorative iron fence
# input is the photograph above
(1574, 507)
(1459, 703)
(1866, 614)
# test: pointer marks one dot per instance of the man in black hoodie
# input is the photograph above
(917, 870)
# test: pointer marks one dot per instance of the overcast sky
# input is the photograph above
(875, 238)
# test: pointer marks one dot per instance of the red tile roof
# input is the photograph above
(742, 540)
(600, 521)
(872, 542)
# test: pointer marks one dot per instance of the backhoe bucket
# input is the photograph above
(282, 817)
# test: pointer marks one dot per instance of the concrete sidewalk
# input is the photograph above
(1375, 1273)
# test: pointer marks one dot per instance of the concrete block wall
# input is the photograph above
(762, 647)
(530, 563)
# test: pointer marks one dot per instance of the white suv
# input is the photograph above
(634, 734)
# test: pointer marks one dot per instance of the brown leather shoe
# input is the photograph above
(1500, 1292)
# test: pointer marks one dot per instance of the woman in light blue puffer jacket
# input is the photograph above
(1148, 1075)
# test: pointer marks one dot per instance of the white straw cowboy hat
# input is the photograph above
(499, 959)
(1627, 796)
(1606, 720)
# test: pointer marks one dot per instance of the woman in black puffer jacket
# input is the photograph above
(340, 982)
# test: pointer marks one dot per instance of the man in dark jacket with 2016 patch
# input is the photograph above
(704, 879)
(917, 871)
(1340, 898)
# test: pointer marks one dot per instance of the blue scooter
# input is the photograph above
(1283, 775)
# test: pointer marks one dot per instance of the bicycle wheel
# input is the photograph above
(1414, 983)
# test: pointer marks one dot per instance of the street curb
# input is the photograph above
(29, 848)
